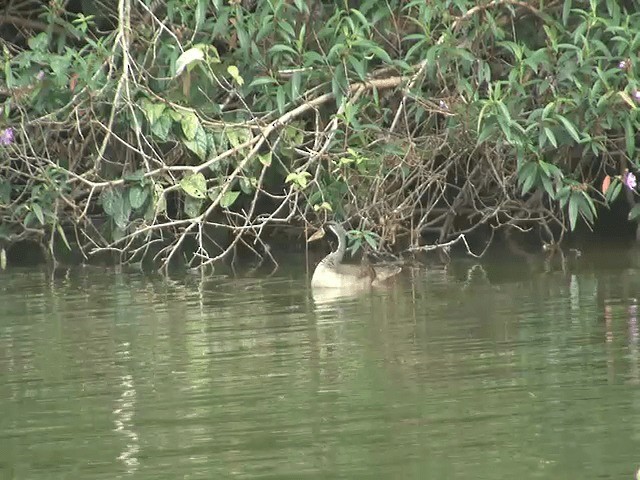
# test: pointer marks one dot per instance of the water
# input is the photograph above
(499, 372)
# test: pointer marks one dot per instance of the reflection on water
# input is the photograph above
(449, 373)
(123, 416)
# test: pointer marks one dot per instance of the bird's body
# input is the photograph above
(332, 273)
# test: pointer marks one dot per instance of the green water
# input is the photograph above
(499, 372)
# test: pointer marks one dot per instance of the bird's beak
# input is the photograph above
(317, 235)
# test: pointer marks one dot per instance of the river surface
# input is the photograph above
(509, 370)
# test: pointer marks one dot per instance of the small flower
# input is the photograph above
(443, 105)
(629, 180)
(6, 136)
(636, 95)
(623, 65)
(40, 75)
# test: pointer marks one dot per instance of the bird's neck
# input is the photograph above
(335, 257)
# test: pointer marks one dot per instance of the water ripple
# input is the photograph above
(109, 375)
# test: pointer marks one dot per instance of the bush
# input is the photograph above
(148, 124)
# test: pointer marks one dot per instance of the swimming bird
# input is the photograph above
(332, 273)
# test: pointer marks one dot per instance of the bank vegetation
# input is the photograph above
(184, 130)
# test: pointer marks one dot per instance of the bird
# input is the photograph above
(332, 273)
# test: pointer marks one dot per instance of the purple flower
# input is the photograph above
(623, 65)
(6, 136)
(636, 95)
(629, 180)
(40, 75)
(443, 105)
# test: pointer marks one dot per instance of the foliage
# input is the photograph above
(403, 117)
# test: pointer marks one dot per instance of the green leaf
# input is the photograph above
(613, 191)
(311, 57)
(552, 138)
(238, 136)
(200, 14)
(190, 124)
(266, 28)
(28, 219)
(235, 74)
(189, 57)
(5, 192)
(545, 167)
(547, 185)
(63, 236)
(192, 206)
(323, 206)
(586, 207)
(635, 212)
(528, 175)
(296, 82)
(116, 206)
(198, 144)
(213, 193)
(162, 127)
(263, 81)
(150, 211)
(485, 134)
(122, 217)
(266, 158)
(281, 99)
(359, 66)
(363, 20)
(630, 137)
(302, 179)
(282, 49)
(589, 202)
(505, 112)
(529, 181)
(563, 195)
(137, 196)
(420, 47)
(381, 54)
(294, 135)
(243, 38)
(569, 127)
(371, 240)
(8, 75)
(194, 185)
(111, 200)
(553, 170)
(356, 245)
(211, 145)
(288, 28)
(338, 84)
(546, 111)
(39, 43)
(486, 105)
(153, 111)
(573, 210)
(228, 198)
(37, 210)
(246, 185)
(566, 10)
(174, 115)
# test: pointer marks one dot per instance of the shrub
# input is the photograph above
(404, 117)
